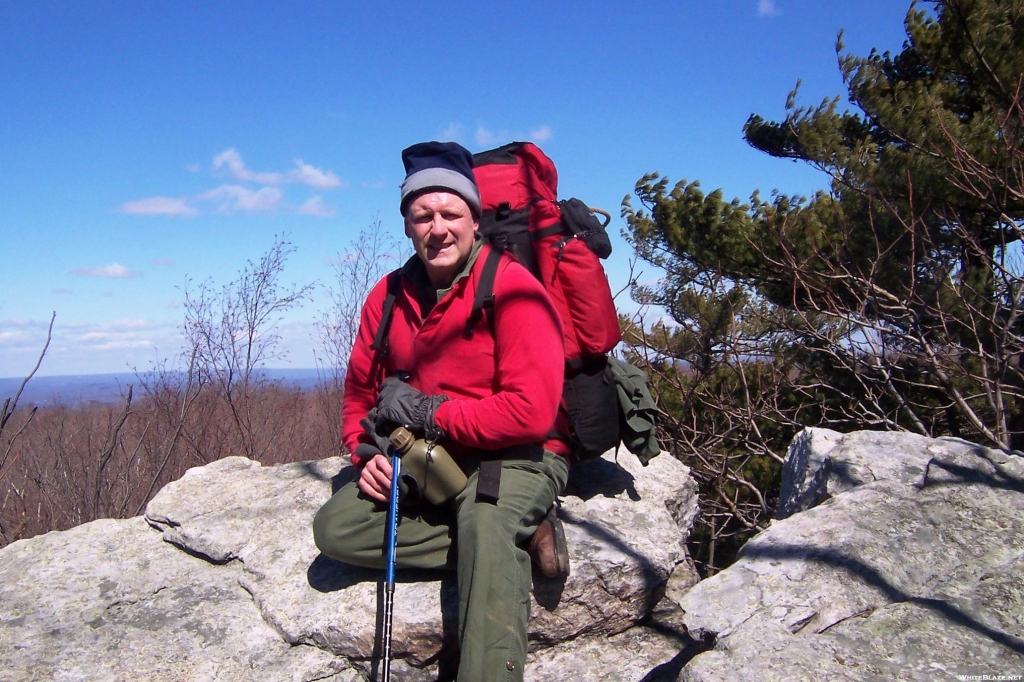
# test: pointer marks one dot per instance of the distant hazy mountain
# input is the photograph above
(108, 388)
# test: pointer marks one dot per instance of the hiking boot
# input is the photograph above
(548, 549)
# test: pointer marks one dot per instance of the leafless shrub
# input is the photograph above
(369, 257)
(231, 332)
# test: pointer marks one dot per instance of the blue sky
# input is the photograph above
(145, 143)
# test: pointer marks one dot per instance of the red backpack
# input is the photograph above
(561, 243)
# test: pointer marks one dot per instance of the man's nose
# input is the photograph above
(437, 225)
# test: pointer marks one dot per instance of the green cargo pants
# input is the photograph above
(484, 542)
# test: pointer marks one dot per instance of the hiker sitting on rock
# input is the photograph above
(489, 394)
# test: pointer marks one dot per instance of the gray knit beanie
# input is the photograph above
(439, 166)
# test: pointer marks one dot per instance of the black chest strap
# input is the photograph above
(380, 338)
(483, 300)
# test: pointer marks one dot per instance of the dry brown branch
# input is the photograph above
(10, 405)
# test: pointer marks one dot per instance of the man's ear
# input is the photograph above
(405, 223)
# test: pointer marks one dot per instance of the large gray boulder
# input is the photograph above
(909, 567)
(112, 600)
(221, 580)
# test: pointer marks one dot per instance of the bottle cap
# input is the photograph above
(402, 439)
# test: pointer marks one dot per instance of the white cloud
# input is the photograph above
(24, 333)
(158, 206)
(112, 271)
(236, 198)
(453, 133)
(229, 162)
(80, 347)
(19, 323)
(130, 323)
(315, 206)
(542, 134)
(118, 344)
(118, 335)
(62, 291)
(305, 174)
(767, 8)
(162, 262)
(486, 138)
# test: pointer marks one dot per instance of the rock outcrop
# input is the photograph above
(906, 564)
(893, 557)
(221, 581)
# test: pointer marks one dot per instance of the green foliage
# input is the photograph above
(892, 301)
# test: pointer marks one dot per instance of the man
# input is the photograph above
(487, 393)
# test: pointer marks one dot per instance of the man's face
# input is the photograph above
(442, 228)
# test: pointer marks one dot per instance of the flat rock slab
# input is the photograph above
(911, 569)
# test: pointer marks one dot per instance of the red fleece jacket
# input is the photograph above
(504, 388)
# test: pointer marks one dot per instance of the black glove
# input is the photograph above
(375, 430)
(366, 452)
(399, 404)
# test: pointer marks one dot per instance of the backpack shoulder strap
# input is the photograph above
(483, 301)
(381, 336)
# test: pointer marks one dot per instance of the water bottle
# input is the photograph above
(428, 471)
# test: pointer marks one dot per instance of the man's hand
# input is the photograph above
(375, 478)
(399, 404)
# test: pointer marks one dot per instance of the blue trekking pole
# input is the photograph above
(391, 539)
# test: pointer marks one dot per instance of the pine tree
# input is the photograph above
(892, 301)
